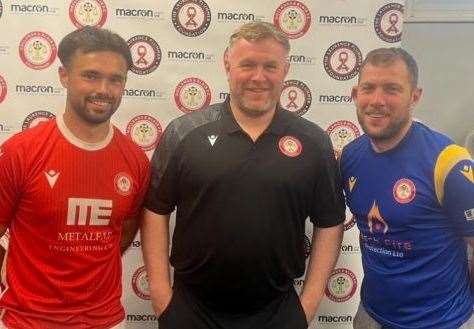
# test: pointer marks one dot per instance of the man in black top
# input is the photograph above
(244, 176)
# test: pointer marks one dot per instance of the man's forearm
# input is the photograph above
(129, 231)
(326, 244)
(155, 246)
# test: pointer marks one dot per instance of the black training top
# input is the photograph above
(242, 205)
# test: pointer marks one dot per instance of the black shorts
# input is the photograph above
(185, 311)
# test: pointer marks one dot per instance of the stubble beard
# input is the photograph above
(91, 116)
(250, 111)
(387, 133)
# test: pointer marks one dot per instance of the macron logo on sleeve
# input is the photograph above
(212, 139)
(469, 214)
(468, 173)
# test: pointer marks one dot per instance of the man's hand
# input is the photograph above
(325, 248)
(155, 247)
(309, 308)
(161, 300)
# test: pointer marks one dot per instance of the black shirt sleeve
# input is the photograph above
(328, 205)
(161, 195)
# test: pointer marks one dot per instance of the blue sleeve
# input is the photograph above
(458, 202)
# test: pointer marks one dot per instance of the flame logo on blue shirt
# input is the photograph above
(375, 220)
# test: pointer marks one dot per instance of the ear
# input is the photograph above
(415, 96)
(287, 67)
(63, 76)
(226, 61)
(354, 93)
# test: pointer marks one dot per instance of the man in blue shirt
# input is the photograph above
(412, 192)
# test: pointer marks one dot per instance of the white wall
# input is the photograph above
(444, 52)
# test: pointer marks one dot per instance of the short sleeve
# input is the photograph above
(329, 206)
(162, 193)
(454, 183)
(11, 181)
(144, 176)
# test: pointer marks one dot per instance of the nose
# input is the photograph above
(377, 98)
(104, 87)
(259, 74)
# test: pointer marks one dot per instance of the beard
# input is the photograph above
(387, 133)
(258, 109)
(92, 115)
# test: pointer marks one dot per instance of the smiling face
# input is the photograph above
(256, 71)
(95, 82)
(384, 98)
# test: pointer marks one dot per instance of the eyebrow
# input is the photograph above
(91, 71)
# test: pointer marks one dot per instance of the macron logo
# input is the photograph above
(212, 139)
(469, 214)
(52, 177)
(468, 173)
(352, 181)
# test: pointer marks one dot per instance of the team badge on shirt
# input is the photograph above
(123, 183)
(404, 190)
(290, 146)
(468, 173)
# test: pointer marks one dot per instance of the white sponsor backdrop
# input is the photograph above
(177, 48)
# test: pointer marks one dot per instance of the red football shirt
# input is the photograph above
(64, 202)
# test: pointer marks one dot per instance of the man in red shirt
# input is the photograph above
(71, 191)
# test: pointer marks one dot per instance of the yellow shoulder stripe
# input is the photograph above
(447, 159)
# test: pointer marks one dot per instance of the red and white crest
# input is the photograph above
(35, 118)
(88, 12)
(293, 18)
(404, 190)
(145, 131)
(192, 94)
(37, 50)
(341, 286)
(290, 146)
(342, 132)
(123, 183)
(140, 283)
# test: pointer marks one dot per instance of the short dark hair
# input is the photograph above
(257, 31)
(90, 39)
(388, 56)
